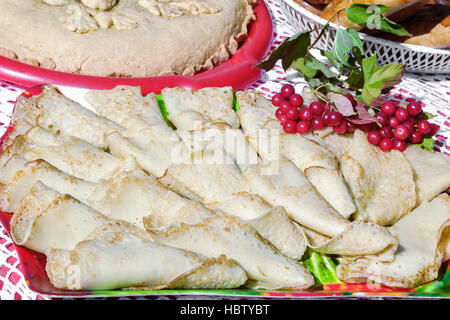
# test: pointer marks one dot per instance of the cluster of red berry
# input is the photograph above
(296, 118)
(396, 125)
(400, 125)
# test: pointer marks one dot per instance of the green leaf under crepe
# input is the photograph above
(289, 50)
(377, 79)
(427, 143)
(321, 266)
(370, 16)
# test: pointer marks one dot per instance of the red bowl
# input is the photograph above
(237, 72)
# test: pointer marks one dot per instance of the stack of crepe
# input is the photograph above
(118, 198)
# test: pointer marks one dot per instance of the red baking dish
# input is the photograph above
(237, 72)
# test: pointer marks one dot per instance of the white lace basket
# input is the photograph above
(415, 58)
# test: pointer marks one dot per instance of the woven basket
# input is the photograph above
(415, 58)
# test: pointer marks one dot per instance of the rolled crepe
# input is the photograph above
(24, 178)
(431, 172)
(382, 183)
(147, 137)
(57, 113)
(46, 219)
(71, 155)
(287, 186)
(189, 108)
(237, 240)
(261, 127)
(115, 257)
(424, 244)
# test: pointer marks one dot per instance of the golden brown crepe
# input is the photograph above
(382, 183)
(424, 243)
(114, 256)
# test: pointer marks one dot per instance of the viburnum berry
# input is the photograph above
(386, 144)
(296, 100)
(399, 145)
(287, 90)
(367, 127)
(293, 113)
(285, 106)
(317, 108)
(302, 127)
(277, 99)
(401, 132)
(317, 123)
(382, 118)
(283, 118)
(342, 128)
(414, 108)
(434, 129)
(386, 132)
(424, 127)
(374, 137)
(290, 126)
(334, 118)
(306, 114)
(409, 124)
(393, 122)
(279, 113)
(388, 107)
(401, 114)
(415, 137)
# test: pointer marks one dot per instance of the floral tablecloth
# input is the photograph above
(432, 90)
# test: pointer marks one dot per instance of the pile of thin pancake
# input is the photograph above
(116, 198)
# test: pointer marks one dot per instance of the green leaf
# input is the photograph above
(379, 79)
(288, 51)
(370, 16)
(342, 46)
(427, 143)
(330, 57)
(321, 266)
(164, 112)
(300, 66)
(356, 80)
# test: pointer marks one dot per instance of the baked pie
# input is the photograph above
(130, 38)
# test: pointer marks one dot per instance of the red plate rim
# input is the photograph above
(237, 72)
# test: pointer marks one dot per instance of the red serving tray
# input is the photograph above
(237, 72)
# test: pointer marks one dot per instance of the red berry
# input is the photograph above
(401, 114)
(334, 118)
(414, 108)
(382, 118)
(388, 107)
(278, 113)
(317, 108)
(302, 127)
(277, 99)
(342, 128)
(434, 129)
(409, 124)
(293, 113)
(374, 137)
(317, 123)
(415, 137)
(393, 122)
(401, 132)
(351, 127)
(283, 118)
(296, 100)
(285, 106)
(386, 132)
(399, 145)
(351, 98)
(423, 127)
(287, 90)
(306, 114)
(289, 126)
(386, 144)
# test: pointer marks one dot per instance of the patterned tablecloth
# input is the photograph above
(432, 90)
